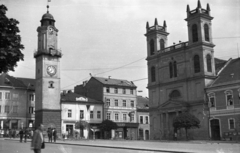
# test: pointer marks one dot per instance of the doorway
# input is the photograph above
(215, 129)
(147, 135)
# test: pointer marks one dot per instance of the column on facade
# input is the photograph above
(167, 117)
(161, 121)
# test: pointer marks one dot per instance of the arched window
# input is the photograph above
(196, 62)
(175, 68)
(206, 32)
(209, 63)
(162, 44)
(194, 33)
(153, 74)
(171, 69)
(152, 47)
(175, 94)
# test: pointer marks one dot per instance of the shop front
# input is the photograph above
(126, 131)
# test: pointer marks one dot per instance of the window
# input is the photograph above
(15, 95)
(229, 98)
(141, 120)
(31, 97)
(153, 74)
(124, 103)
(194, 33)
(91, 114)
(131, 91)
(162, 44)
(209, 63)
(116, 117)
(211, 100)
(30, 110)
(196, 62)
(132, 117)
(15, 108)
(0, 95)
(206, 32)
(146, 119)
(116, 102)
(108, 116)
(175, 69)
(152, 47)
(174, 94)
(115, 90)
(107, 90)
(171, 69)
(124, 91)
(124, 117)
(81, 114)
(0, 109)
(69, 113)
(98, 114)
(7, 95)
(6, 109)
(231, 124)
(132, 103)
(108, 102)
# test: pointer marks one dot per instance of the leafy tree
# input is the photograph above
(10, 42)
(81, 125)
(187, 121)
(107, 125)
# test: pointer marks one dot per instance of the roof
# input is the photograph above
(29, 83)
(219, 64)
(47, 16)
(72, 97)
(142, 103)
(115, 82)
(229, 74)
(10, 81)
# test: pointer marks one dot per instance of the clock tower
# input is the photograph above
(47, 108)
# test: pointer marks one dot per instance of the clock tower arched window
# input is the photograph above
(209, 63)
(196, 63)
(153, 74)
(152, 47)
(206, 32)
(194, 33)
(171, 69)
(162, 44)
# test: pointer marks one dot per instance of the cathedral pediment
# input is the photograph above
(173, 104)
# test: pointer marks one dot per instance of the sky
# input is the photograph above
(106, 37)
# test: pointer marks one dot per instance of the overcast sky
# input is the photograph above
(106, 37)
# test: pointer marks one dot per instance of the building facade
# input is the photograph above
(143, 118)
(17, 102)
(224, 103)
(76, 108)
(178, 74)
(119, 97)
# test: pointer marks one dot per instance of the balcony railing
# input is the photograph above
(174, 47)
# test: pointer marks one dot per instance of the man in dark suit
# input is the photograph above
(37, 140)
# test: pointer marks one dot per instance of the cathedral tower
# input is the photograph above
(48, 111)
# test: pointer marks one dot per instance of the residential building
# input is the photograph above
(119, 97)
(224, 102)
(78, 108)
(17, 102)
(143, 118)
(178, 74)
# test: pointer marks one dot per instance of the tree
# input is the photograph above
(187, 121)
(10, 42)
(81, 125)
(107, 125)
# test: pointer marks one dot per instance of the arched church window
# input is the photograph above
(162, 44)
(153, 74)
(171, 69)
(206, 32)
(152, 47)
(175, 68)
(175, 94)
(209, 63)
(196, 62)
(194, 33)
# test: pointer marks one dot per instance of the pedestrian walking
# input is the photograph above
(38, 140)
(25, 135)
(31, 134)
(54, 134)
(21, 135)
(49, 135)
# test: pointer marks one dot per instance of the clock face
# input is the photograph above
(50, 30)
(51, 70)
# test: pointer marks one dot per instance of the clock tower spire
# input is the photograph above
(47, 55)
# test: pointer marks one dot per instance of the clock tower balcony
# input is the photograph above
(51, 52)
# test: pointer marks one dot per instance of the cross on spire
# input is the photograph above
(47, 8)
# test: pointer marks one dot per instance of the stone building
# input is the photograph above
(17, 102)
(119, 97)
(178, 74)
(224, 102)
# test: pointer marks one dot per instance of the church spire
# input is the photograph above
(199, 4)
(156, 22)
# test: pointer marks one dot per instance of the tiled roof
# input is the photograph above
(71, 97)
(29, 83)
(142, 102)
(219, 63)
(10, 81)
(229, 74)
(115, 82)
